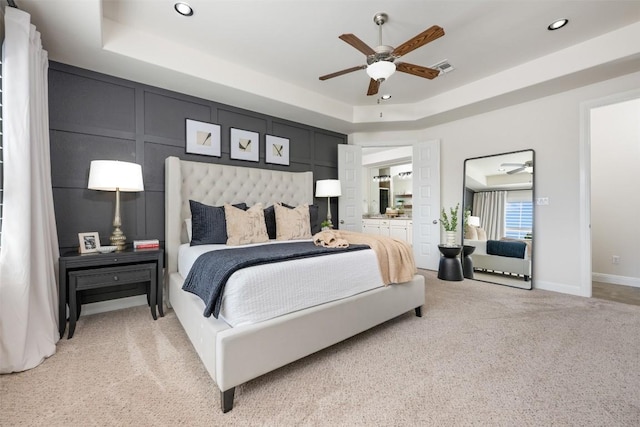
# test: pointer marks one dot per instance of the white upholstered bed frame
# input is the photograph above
(233, 356)
(519, 266)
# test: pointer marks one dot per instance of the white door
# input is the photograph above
(350, 176)
(426, 204)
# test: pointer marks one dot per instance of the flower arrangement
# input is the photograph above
(326, 225)
(450, 223)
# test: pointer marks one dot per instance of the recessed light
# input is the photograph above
(183, 9)
(556, 25)
(385, 97)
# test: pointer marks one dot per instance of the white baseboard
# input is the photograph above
(616, 280)
(114, 304)
(560, 287)
(120, 303)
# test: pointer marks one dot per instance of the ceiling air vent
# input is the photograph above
(443, 66)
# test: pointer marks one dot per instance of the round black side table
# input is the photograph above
(450, 267)
(467, 262)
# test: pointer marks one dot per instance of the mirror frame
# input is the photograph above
(533, 201)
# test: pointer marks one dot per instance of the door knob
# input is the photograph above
(342, 221)
(435, 221)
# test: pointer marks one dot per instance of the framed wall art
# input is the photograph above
(89, 242)
(203, 138)
(245, 145)
(277, 150)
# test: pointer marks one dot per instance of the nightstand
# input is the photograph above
(94, 270)
(450, 267)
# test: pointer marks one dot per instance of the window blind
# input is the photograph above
(518, 219)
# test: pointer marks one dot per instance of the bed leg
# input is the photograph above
(419, 311)
(226, 399)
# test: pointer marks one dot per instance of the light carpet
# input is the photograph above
(482, 354)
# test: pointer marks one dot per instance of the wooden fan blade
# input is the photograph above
(339, 73)
(357, 43)
(417, 70)
(373, 87)
(428, 35)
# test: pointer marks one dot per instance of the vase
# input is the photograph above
(451, 238)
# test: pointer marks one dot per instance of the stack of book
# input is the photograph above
(146, 244)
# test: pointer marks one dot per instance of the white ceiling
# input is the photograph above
(492, 172)
(267, 55)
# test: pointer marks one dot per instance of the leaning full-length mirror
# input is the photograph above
(498, 214)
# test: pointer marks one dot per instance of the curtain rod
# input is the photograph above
(12, 3)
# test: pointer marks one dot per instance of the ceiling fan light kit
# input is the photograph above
(381, 70)
(380, 61)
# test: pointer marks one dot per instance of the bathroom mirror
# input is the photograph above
(498, 217)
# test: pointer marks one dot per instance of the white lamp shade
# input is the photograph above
(328, 188)
(381, 70)
(474, 220)
(109, 175)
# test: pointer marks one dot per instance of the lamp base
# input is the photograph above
(329, 212)
(118, 239)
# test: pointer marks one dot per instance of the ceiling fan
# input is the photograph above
(519, 167)
(380, 61)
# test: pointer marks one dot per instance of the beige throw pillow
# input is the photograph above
(471, 232)
(293, 224)
(482, 235)
(244, 227)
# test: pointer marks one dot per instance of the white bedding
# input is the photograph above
(247, 298)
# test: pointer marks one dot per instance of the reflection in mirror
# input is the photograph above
(498, 218)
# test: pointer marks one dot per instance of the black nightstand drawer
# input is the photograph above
(100, 277)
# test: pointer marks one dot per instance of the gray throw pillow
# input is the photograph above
(208, 223)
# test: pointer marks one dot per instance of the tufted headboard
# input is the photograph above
(215, 185)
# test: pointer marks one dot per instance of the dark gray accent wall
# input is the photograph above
(98, 117)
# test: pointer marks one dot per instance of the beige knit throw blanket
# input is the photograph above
(395, 257)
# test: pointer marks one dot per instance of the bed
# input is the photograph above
(504, 256)
(228, 353)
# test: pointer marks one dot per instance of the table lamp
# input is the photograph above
(328, 188)
(113, 175)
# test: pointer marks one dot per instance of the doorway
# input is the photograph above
(425, 228)
(609, 157)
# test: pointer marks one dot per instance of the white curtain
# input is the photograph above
(29, 251)
(490, 206)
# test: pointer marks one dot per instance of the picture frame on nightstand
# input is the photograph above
(89, 242)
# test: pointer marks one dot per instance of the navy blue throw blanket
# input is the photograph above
(210, 272)
(506, 248)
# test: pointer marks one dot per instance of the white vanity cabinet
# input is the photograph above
(376, 226)
(401, 229)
